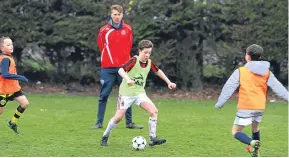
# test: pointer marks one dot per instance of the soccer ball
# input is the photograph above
(139, 143)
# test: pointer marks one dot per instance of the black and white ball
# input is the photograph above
(139, 143)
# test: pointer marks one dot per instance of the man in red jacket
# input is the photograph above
(114, 42)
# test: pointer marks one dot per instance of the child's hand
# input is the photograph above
(130, 82)
(172, 85)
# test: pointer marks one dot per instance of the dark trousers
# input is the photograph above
(108, 78)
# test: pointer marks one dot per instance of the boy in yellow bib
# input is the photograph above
(131, 91)
(253, 80)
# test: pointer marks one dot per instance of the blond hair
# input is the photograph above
(116, 7)
(2, 40)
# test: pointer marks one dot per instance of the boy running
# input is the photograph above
(253, 80)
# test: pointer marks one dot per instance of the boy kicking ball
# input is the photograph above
(131, 91)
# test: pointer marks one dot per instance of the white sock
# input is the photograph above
(153, 126)
(110, 126)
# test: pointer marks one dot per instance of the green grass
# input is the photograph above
(60, 125)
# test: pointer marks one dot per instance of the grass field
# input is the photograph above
(60, 125)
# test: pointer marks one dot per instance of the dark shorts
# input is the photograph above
(5, 98)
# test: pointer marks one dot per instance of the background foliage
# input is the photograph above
(196, 42)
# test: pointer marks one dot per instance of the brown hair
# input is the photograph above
(2, 40)
(116, 7)
(145, 44)
(255, 52)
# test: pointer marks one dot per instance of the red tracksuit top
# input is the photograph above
(114, 45)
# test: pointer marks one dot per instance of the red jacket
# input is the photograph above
(114, 45)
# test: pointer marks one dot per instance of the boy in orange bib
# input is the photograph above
(253, 80)
(9, 82)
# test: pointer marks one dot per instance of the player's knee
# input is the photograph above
(25, 104)
(234, 131)
(255, 129)
(1, 111)
(154, 112)
(117, 118)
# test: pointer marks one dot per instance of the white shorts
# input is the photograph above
(124, 102)
(246, 117)
(247, 121)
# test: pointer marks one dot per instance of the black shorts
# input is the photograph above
(5, 98)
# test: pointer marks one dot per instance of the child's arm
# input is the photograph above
(124, 75)
(277, 87)
(162, 75)
(5, 72)
(229, 88)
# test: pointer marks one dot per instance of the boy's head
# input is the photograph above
(145, 49)
(253, 53)
(6, 45)
(116, 14)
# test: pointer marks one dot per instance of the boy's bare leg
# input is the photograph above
(244, 138)
(153, 112)
(112, 124)
(23, 101)
(255, 136)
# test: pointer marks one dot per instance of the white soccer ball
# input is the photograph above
(139, 143)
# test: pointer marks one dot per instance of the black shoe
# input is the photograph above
(255, 145)
(13, 127)
(103, 141)
(133, 126)
(156, 141)
(96, 126)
